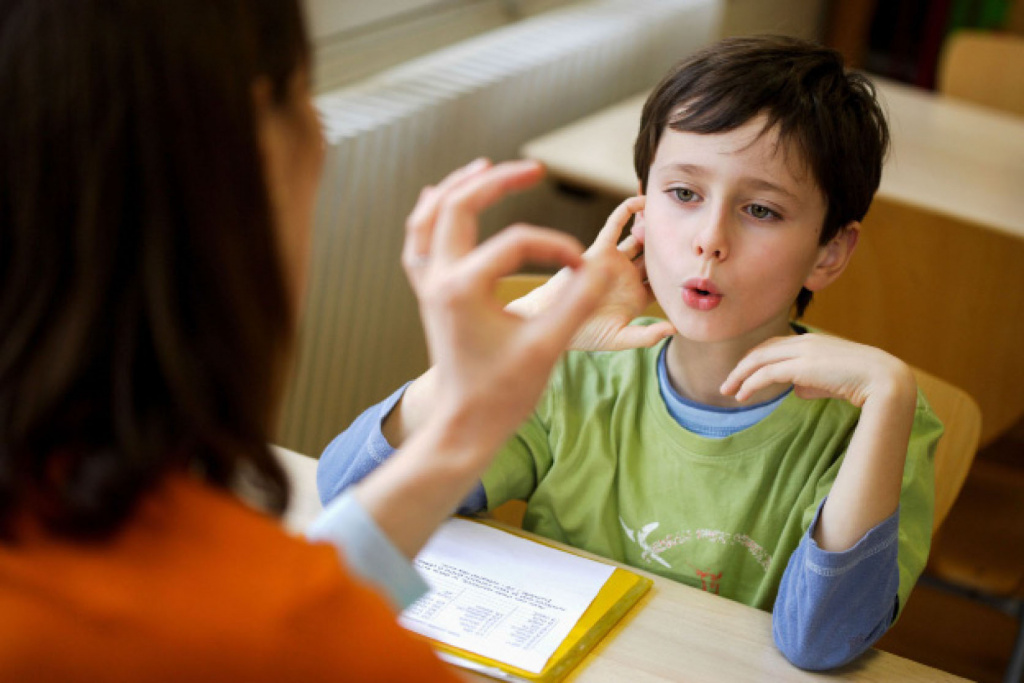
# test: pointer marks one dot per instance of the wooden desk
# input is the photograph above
(675, 633)
(938, 278)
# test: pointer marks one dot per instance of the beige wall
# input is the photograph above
(804, 18)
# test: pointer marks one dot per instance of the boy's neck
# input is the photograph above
(697, 369)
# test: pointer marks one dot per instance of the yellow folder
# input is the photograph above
(620, 592)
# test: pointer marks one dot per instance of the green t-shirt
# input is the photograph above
(604, 467)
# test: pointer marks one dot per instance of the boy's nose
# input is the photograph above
(711, 241)
(716, 254)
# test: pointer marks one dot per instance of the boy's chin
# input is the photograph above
(704, 328)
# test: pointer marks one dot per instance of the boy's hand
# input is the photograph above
(867, 487)
(821, 366)
(608, 329)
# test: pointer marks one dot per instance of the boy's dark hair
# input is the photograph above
(143, 304)
(830, 115)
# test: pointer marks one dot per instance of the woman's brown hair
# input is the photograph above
(143, 310)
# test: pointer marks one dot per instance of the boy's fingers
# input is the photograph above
(769, 351)
(766, 375)
(631, 248)
(771, 358)
(645, 336)
(640, 263)
(585, 288)
(755, 359)
(740, 374)
(811, 393)
(456, 231)
(617, 219)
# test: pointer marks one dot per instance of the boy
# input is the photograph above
(787, 470)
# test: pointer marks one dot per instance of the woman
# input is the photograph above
(158, 163)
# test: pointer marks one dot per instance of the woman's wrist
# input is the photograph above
(422, 484)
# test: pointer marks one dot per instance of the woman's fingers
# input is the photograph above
(419, 227)
(443, 225)
(418, 231)
(455, 234)
(507, 251)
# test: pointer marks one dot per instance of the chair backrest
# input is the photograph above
(959, 443)
(985, 68)
(958, 411)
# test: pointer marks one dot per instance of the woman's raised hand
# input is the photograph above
(489, 365)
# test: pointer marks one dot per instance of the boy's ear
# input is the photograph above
(639, 229)
(834, 257)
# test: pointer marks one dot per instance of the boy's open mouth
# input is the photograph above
(701, 294)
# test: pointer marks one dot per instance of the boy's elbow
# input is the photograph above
(328, 484)
(817, 648)
(802, 652)
(332, 472)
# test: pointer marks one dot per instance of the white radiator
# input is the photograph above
(360, 336)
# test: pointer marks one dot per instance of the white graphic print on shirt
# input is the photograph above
(651, 552)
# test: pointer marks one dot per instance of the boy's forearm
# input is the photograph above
(867, 488)
(412, 411)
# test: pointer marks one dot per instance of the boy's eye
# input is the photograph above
(683, 194)
(761, 212)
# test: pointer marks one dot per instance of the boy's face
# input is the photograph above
(731, 231)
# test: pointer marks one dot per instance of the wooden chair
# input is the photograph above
(979, 554)
(959, 443)
(957, 410)
(984, 67)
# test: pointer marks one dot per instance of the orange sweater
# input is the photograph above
(197, 587)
